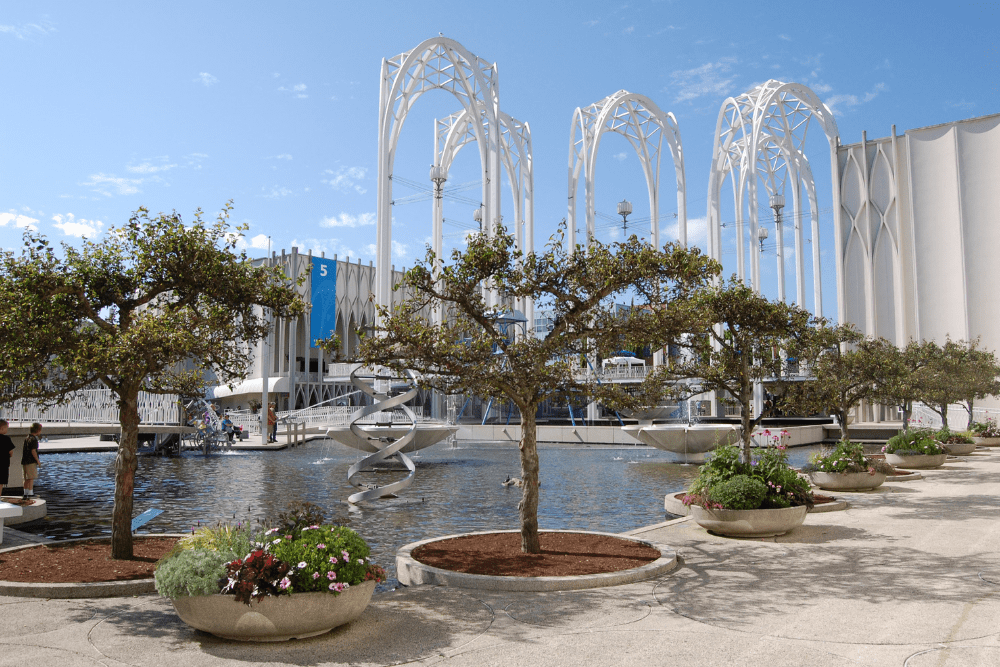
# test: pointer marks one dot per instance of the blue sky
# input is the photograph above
(111, 106)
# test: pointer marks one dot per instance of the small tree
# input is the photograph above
(846, 367)
(957, 372)
(906, 384)
(151, 307)
(473, 352)
(743, 347)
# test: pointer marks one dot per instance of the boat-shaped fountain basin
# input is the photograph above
(427, 435)
(689, 443)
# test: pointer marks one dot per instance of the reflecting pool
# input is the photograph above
(456, 489)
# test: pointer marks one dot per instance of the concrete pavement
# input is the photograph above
(909, 575)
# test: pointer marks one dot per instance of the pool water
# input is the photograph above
(455, 490)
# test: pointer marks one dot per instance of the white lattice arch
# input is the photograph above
(757, 134)
(454, 132)
(437, 63)
(645, 125)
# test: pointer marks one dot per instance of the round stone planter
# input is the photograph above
(749, 523)
(986, 442)
(274, 619)
(960, 449)
(919, 461)
(847, 481)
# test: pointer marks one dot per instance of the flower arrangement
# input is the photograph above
(287, 559)
(916, 441)
(727, 482)
(846, 457)
(987, 429)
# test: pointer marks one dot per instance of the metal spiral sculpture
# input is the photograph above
(393, 447)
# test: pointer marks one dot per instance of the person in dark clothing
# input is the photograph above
(6, 453)
(29, 459)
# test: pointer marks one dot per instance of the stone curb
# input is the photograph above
(100, 589)
(409, 572)
(836, 506)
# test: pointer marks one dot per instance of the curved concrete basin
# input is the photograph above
(688, 443)
(427, 435)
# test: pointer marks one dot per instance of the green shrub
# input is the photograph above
(741, 492)
(949, 438)
(847, 456)
(231, 541)
(784, 486)
(195, 571)
(913, 442)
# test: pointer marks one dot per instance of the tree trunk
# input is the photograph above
(842, 418)
(747, 423)
(125, 465)
(907, 408)
(944, 416)
(528, 507)
(968, 408)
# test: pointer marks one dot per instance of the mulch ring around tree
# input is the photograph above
(563, 554)
(83, 562)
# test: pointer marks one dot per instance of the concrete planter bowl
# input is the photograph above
(918, 461)
(959, 449)
(847, 481)
(749, 523)
(274, 619)
(986, 442)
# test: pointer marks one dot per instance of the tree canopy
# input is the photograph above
(476, 351)
(151, 307)
(743, 348)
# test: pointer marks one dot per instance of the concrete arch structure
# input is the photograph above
(646, 127)
(443, 64)
(758, 135)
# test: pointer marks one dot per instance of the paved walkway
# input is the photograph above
(910, 575)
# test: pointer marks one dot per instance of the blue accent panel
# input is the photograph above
(324, 299)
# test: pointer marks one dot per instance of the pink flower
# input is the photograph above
(331, 575)
(335, 587)
(345, 555)
(321, 546)
(315, 576)
(302, 565)
(285, 583)
(288, 537)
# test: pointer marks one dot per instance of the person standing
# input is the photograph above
(272, 423)
(6, 453)
(30, 460)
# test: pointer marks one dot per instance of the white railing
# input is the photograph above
(324, 415)
(95, 406)
(958, 417)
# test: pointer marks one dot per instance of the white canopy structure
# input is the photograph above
(760, 136)
(437, 63)
(646, 126)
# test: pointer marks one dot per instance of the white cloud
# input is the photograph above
(332, 247)
(206, 79)
(629, 30)
(709, 79)
(277, 192)
(113, 185)
(149, 168)
(821, 88)
(346, 178)
(399, 250)
(837, 103)
(20, 221)
(785, 37)
(299, 89)
(697, 232)
(620, 156)
(348, 220)
(70, 226)
(27, 30)
(261, 241)
(591, 22)
(283, 156)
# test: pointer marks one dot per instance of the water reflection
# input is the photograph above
(455, 490)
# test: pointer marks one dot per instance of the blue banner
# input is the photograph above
(324, 299)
